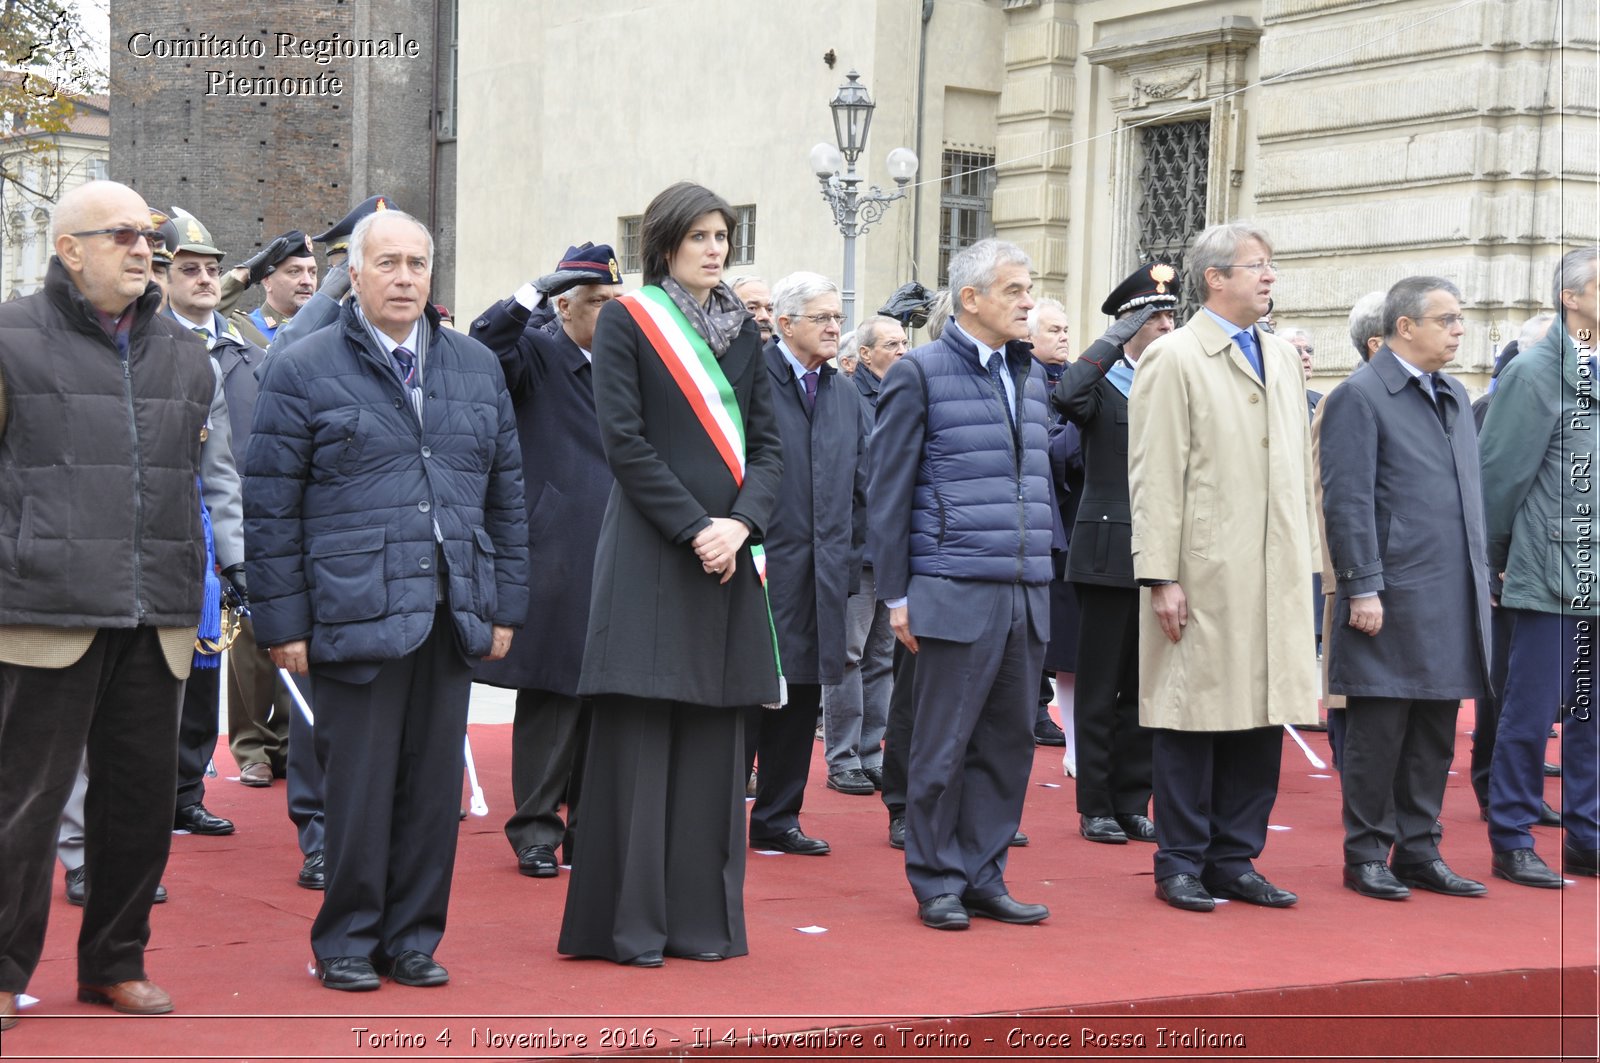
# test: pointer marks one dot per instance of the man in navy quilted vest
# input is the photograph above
(387, 548)
(959, 523)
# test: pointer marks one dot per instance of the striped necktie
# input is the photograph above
(204, 334)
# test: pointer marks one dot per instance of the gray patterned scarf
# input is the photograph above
(718, 322)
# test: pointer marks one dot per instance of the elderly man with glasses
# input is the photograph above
(102, 406)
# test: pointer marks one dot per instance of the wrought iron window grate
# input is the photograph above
(1174, 163)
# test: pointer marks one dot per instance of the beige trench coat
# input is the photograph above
(1222, 484)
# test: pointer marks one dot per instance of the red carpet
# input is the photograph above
(1512, 975)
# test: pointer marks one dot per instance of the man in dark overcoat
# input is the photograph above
(1113, 751)
(548, 372)
(813, 547)
(388, 548)
(1403, 510)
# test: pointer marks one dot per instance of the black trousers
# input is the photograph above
(545, 738)
(304, 774)
(120, 701)
(784, 753)
(897, 735)
(393, 752)
(662, 860)
(1396, 762)
(1487, 708)
(1113, 751)
(197, 733)
(1214, 792)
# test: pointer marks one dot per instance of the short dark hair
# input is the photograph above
(1408, 298)
(667, 220)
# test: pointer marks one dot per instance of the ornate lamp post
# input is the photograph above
(854, 209)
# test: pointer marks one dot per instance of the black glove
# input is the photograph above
(237, 589)
(1108, 348)
(256, 264)
(553, 284)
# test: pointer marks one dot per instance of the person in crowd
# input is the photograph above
(1538, 439)
(1222, 491)
(286, 269)
(385, 555)
(1052, 349)
(544, 337)
(959, 528)
(1404, 519)
(680, 640)
(813, 545)
(757, 298)
(97, 630)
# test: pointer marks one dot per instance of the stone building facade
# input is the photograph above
(1371, 139)
(36, 170)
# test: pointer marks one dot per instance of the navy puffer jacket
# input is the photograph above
(345, 488)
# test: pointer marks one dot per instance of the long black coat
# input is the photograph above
(815, 541)
(566, 481)
(1403, 507)
(659, 625)
(1102, 538)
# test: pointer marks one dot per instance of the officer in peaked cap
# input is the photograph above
(160, 256)
(1114, 775)
(337, 238)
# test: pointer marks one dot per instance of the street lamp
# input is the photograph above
(853, 209)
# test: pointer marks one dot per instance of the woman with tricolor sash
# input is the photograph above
(680, 639)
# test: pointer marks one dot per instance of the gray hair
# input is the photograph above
(1366, 321)
(1573, 274)
(939, 313)
(1215, 248)
(1289, 335)
(866, 333)
(358, 238)
(1043, 303)
(740, 282)
(1409, 298)
(847, 342)
(977, 266)
(791, 294)
(1533, 330)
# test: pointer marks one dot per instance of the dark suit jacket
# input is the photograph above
(566, 483)
(1102, 550)
(818, 528)
(1403, 509)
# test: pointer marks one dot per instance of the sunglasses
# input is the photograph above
(194, 269)
(125, 235)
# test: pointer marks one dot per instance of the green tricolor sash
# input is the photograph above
(700, 377)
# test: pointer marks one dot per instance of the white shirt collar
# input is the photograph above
(794, 363)
(389, 345)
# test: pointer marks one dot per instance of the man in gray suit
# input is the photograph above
(1403, 509)
(959, 519)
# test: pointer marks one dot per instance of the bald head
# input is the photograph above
(110, 274)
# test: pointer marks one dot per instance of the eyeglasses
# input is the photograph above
(125, 235)
(891, 345)
(1254, 267)
(1449, 321)
(194, 269)
(823, 320)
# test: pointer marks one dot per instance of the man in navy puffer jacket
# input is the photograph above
(387, 549)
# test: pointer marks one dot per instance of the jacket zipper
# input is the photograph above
(1016, 463)
(138, 495)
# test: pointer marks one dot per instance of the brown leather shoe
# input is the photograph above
(131, 998)
(8, 1010)
(258, 774)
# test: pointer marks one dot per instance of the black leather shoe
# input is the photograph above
(1436, 877)
(1580, 861)
(1525, 868)
(538, 861)
(1102, 829)
(313, 874)
(160, 895)
(1018, 840)
(196, 820)
(1374, 879)
(943, 912)
(698, 957)
(897, 831)
(1548, 817)
(1185, 891)
(1138, 828)
(874, 776)
(352, 974)
(653, 958)
(1253, 888)
(416, 968)
(793, 841)
(1552, 771)
(850, 781)
(1006, 909)
(1046, 733)
(78, 888)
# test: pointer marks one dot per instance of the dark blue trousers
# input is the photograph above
(1551, 664)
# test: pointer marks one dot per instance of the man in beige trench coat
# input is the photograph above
(1225, 539)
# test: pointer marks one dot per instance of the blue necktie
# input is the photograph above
(1247, 344)
(997, 373)
(407, 363)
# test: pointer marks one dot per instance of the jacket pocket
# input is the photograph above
(346, 570)
(354, 441)
(542, 518)
(1203, 527)
(483, 582)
